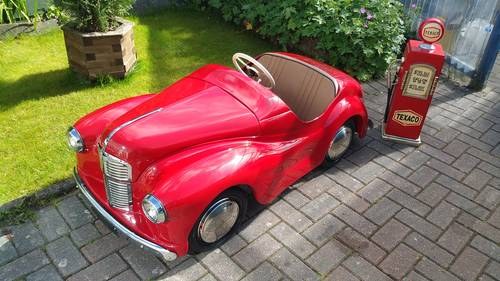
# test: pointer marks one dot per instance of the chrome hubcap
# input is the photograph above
(218, 220)
(340, 142)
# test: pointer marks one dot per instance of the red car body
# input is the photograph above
(213, 129)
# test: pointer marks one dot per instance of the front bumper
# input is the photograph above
(107, 217)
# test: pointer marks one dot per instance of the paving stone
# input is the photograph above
(7, 250)
(145, 264)
(103, 247)
(51, 224)
(390, 235)
(233, 245)
(456, 148)
(491, 137)
(26, 237)
(221, 265)
(493, 269)
(208, 277)
(349, 198)
(485, 277)
(316, 186)
(489, 197)
(393, 165)
(46, 273)
(414, 276)
(434, 271)
(320, 206)
(289, 214)
(355, 220)
(341, 274)
(66, 256)
(418, 224)
(447, 134)
(474, 142)
(23, 265)
(477, 179)
(127, 275)
(362, 156)
(457, 187)
(328, 257)
(409, 202)
(258, 225)
(361, 245)
(344, 179)
(400, 261)
(265, 271)
(364, 269)
(256, 252)
(469, 264)
(382, 211)
(368, 172)
(296, 199)
(415, 159)
(385, 150)
(84, 235)
(102, 270)
(429, 249)
(495, 218)
(401, 183)
(443, 214)
(293, 266)
(495, 161)
(436, 153)
(445, 169)
(487, 230)
(188, 270)
(294, 241)
(466, 162)
(323, 230)
(455, 238)
(101, 227)
(74, 212)
(467, 205)
(423, 176)
(375, 190)
(433, 194)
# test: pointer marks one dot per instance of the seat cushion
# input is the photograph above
(304, 88)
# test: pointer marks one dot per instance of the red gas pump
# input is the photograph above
(410, 94)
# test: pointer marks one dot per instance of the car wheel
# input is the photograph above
(218, 222)
(340, 143)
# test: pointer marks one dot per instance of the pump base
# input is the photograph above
(413, 142)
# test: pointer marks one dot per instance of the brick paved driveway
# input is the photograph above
(387, 211)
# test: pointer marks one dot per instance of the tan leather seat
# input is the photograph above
(305, 89)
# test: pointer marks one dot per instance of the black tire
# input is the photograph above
(328, 161)
(196, 243)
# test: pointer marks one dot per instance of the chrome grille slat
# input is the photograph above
(117, 177)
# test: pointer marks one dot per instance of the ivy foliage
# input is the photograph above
(359, 36)
(94, 15)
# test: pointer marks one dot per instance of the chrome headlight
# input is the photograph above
(75, 141)
(153, 209)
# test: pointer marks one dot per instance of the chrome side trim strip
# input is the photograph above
(143, 243)
(115, 130)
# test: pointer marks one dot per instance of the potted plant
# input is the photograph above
(98, 41)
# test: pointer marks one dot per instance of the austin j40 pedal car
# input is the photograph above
(173, 171)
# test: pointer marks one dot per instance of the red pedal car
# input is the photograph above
(174, 171)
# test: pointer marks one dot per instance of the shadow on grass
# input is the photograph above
(38, 86)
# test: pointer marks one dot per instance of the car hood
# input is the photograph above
(188, 113)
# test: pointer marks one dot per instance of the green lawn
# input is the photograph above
(40, 97)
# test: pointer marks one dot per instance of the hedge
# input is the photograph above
(359, 36)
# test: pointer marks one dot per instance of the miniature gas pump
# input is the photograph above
(410, 93)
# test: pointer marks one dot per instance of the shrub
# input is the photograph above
(94, 15)
(358, 36)
(14, 10)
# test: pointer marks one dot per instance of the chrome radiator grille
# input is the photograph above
(117, 176)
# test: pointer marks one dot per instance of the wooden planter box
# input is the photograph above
(101, 53)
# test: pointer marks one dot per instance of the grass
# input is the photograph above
(40, 97)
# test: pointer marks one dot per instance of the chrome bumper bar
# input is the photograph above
(143, 243)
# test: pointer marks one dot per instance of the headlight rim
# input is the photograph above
(73, 132)
(161, 216)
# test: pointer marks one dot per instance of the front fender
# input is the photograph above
(188, 181)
